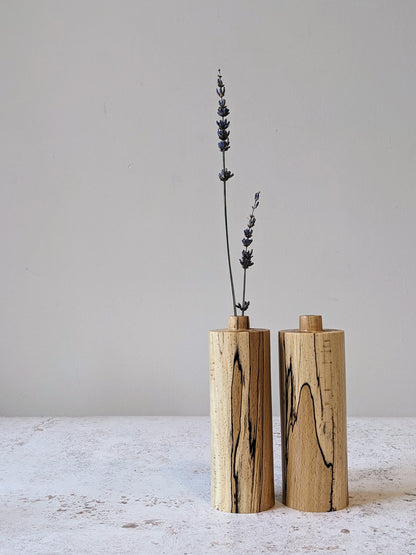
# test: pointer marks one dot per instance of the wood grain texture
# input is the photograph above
(313, 420)
(241, 421)
(310, 322)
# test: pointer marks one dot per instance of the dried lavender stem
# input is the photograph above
(246, 255)
(244, 291)
(226, 237)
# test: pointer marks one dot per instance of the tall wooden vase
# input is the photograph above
(313, 417)
(241, 418)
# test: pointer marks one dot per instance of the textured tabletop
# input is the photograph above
(142, 485)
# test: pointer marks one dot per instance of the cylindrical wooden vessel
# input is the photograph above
(313, 417)
(241, 418)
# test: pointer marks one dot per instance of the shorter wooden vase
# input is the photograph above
(241, 418)
(313, 417)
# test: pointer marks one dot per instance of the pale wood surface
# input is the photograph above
(238, 323)
(241, 421)
(310, 323)
(313, 420)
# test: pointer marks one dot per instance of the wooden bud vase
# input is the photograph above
(241, 418)
(313, 417)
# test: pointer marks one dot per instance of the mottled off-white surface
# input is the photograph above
(142, 485)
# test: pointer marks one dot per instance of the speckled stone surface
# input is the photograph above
(142, 485)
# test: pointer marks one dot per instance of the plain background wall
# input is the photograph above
(113, 263)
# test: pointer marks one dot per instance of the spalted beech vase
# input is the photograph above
(313, 417)
(241, 418)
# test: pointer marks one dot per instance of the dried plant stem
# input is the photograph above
(244, 291)
(226, 237)
(247, 254)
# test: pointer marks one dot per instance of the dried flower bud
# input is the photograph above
(223, 111)
(224, 145)
(225, 175)
(244, 306)
(245, 259)
(223, 134)
(223, 123)
(247, 255)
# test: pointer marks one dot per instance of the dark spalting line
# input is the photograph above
(260, 415)
(289, 414)
(255, 418)
(255, 423)
(292, 416)
(251, 432)
(235, 443)
(253, 427)
(263, 407)
(318, 379)
(327, 464)
(332, 508)
(283, 414)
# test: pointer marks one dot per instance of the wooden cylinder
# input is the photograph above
(313, 417)
(241, 418)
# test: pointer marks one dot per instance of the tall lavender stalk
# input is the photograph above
(247, 254)
(225, 174)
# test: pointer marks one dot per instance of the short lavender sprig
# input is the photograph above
(247, 255)
(225, 174)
